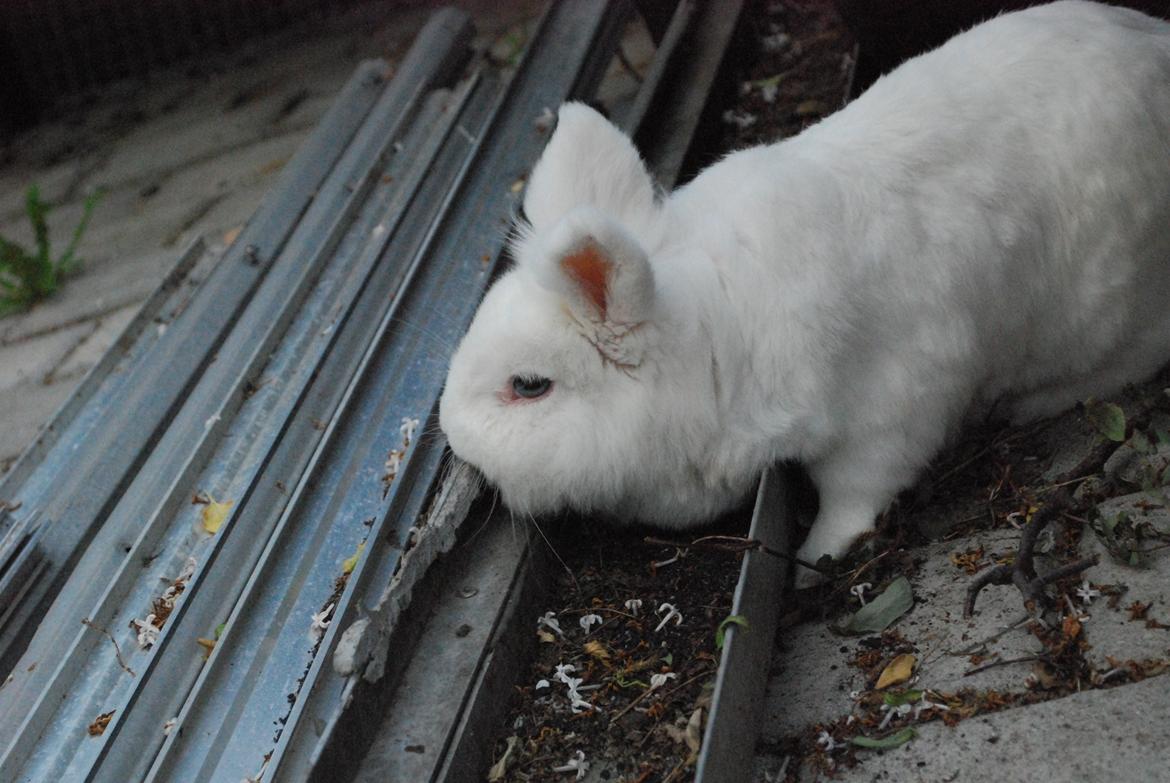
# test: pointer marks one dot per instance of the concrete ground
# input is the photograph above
(1023, 721)
(188, 153)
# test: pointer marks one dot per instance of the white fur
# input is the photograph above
(991, 221)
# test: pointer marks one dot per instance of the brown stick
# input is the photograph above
(117, 650)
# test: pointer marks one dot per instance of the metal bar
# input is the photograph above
(679, 108)
(206, 607)
(258, 484)
(664, 58)
(88, 481)
(469, 634)
(310, 241)
(737, 703)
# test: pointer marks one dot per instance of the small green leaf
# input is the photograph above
(905, 697)
(882, 611)
(1108, 419)
(721, 631)
(885, 743)
(219, 629)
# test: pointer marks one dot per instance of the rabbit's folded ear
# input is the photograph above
(588, 162)
(600, 269)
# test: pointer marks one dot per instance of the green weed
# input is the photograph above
(27, 277)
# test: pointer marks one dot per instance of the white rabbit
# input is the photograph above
(990, 221)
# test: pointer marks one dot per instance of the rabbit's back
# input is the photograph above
(1002, 204)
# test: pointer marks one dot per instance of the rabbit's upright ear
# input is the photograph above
(602, 271)
(588, 162)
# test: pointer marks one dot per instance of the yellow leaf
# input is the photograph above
(214, 514)
(351, 561)
(897, 671)
(546, 637)
(597, 650)
(207, 644)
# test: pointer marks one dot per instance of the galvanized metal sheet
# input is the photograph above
(74, 670)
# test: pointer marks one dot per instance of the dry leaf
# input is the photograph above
(546, 637)
(214, 513)
(230, 235)
(597, 650)
(208, 645)
(1046, 678)
(98, 727)
(500, 768)
(350, 562)
(897, 671)
(694, 735)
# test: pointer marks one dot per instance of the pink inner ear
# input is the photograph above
(590, 269)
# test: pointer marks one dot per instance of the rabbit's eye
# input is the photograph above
(530, 387)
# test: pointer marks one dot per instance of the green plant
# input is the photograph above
(26, 277)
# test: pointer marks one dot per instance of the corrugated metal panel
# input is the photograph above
(208, 408)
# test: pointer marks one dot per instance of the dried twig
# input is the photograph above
(739, 544)
(117, 650)
(1005, 662)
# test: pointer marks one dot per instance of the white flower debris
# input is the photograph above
(549, 620)
(407, 430)
(902, 710)
(394, 458)
(177, 585)
(854, 695)
(1072, 611)
(573, 684)
(320, 623)
(741, 120)
(393, 463)
(634, 604)
(677, 554)
(658, 680)
(1015, 519)
(211, 420)
(576, 703)
(672, 613)
(169, 725)
(826, 741)
(1086, 592)
(147, 631)
(541, 684)
(775, 42)
(859, 591)
(576, 764)
(926, 704)
(589, 620)
(769, 92)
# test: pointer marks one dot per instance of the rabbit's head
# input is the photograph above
(568, 390)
